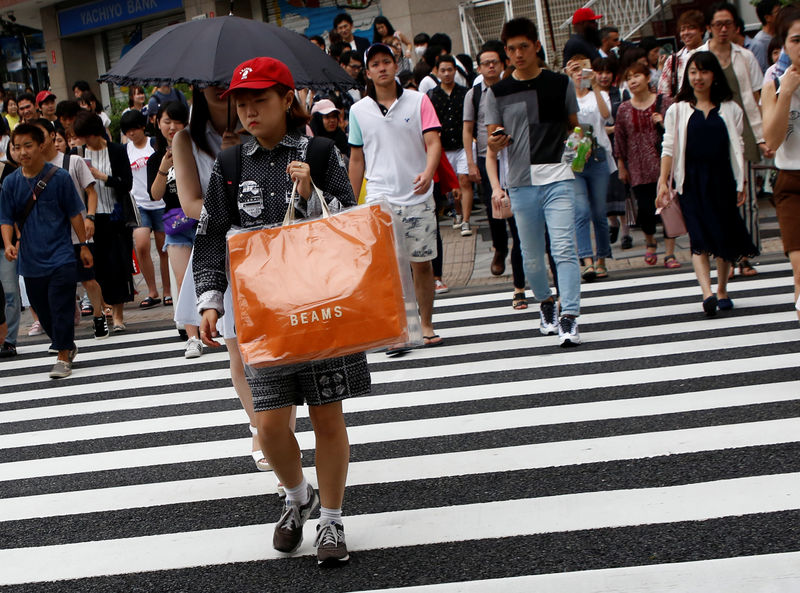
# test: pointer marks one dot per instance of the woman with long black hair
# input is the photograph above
(113, 240)
(703, 146)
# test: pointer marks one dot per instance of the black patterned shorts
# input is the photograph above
(315, 383)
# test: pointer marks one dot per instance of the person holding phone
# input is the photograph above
(592, 183)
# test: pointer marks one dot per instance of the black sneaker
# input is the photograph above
(289, 530)
(548, 317)
(330, 544)
(100, 328)
(7, 350)
(627, 242)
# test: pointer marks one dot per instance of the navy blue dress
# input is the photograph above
(708, 201)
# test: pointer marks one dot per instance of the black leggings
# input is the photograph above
(646, 201)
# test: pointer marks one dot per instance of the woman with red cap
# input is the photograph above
(271, 162)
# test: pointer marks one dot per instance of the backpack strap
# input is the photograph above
(659, 100)
(65, 161)
(477, 92)
(317, 153)
(230, 164)
(37, 191)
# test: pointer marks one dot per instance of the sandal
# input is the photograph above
(258, 456)
(671, 262)
(589, 273)
(149, 302)
(650, 257)
(519, 302)
(432, 341)
(167, 301)
(602, 271)
(747, 269)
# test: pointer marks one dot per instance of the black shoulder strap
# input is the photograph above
(65, 161)
(230, 164)
(317, 153)
(659, 100)
(37, 191)
(477, 91)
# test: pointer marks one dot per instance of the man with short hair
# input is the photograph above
(448, 101)
(343, 25)
(609, 41)
(394, 135)
(421, 41)
(84, 182)
(26, 106)
(586, 38)
(536, 108)
(66, 112)
(46, 102)
(79, 87)
(48, 266)
(767, 11)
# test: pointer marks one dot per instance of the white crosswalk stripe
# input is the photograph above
(662, 455)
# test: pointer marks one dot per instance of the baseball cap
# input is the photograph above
(377, 48)
(44, 96)
(585, 14)
(324, 106)
(260, 74)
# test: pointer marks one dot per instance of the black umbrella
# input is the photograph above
(206, 51)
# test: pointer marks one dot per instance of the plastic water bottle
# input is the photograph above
(582, 148)
(571, 145)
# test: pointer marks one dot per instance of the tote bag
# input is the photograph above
(321, 288)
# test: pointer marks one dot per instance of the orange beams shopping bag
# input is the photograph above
(319, 288)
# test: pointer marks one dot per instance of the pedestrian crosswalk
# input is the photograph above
(661, 455)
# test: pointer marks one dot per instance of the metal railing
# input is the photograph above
(628, 15)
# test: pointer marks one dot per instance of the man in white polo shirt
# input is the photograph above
(394, 135)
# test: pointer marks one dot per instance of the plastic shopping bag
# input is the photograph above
(320, 288)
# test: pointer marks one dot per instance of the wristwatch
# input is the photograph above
(84, 244)
(90, 217)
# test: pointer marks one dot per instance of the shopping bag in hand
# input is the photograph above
(315, 289)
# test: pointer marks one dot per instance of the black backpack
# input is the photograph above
(230, 164)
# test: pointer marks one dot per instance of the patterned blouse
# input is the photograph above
(264, 191)
(636, 141)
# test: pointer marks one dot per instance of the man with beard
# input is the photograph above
(586, 38)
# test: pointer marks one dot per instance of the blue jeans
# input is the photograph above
(10, 281)
(551, 205)
(591, 189)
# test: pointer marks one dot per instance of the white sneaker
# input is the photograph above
(466, 231)
(457, 221)
(36, 329)
(194, 348)
(568, 332)
(440, 287)
(548, 318)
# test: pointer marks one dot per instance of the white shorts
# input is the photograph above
(419, 229)
(458, 160)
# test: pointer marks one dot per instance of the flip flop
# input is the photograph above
(149, 302)
(602, 272)
(432, 341)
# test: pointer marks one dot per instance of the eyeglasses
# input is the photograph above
(489, 63)
(722, 25)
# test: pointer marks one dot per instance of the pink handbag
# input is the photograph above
(671, 214)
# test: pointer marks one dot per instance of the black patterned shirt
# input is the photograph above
(450, 110)
(263, 196)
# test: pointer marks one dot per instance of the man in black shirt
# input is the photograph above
(586, 38)
(448, 101)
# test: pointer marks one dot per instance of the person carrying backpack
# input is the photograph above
(249, 187)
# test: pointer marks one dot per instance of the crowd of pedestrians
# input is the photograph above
(424, 130)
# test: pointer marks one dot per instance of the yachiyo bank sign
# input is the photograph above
(87, 17)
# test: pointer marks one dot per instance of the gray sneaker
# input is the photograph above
(330, 544)
(61, 369)
(194, 348)
(466, 230)
(548, 317)
(289, 530)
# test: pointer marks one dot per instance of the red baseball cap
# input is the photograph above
(259, 74)
(44, 96)
(585, 14)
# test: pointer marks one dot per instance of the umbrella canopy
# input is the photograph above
(206, 51)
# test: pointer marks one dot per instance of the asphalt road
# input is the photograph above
(661, 455)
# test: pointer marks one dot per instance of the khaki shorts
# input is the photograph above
(419, 228)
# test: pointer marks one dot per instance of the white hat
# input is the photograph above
(325, 106)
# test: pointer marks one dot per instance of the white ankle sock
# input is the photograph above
(299, 493)
(330, 516)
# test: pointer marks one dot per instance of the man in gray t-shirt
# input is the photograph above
(534, 109)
